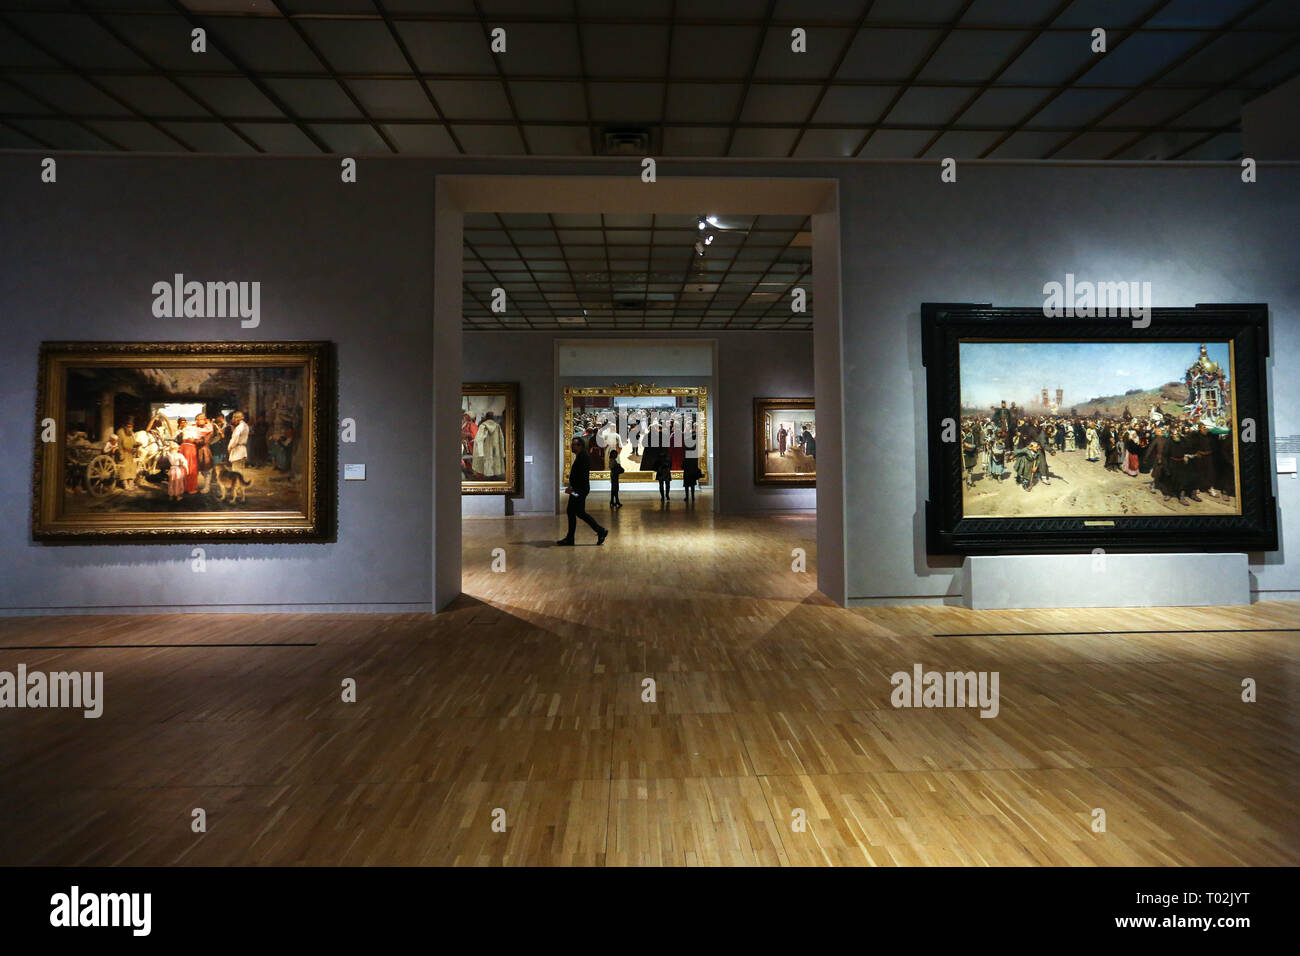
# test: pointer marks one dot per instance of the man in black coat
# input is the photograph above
(579, 488)
(1157, 461)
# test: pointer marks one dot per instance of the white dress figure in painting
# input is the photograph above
(489, 448)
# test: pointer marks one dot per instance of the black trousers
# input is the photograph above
(613, 488)
(577, 508)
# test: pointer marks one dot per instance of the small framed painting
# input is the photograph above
(785, 442)
(489, 438)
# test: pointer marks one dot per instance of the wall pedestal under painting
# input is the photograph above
(1105, 580)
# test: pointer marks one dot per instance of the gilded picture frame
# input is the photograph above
(500, 401)
(769, 415)
(88, 488)
(694, 398)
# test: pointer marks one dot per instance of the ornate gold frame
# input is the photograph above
(511, 486)
(315, 522)
(761, 407)
(633, 389)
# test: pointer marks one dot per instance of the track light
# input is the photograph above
(701, 223)
(708, 240)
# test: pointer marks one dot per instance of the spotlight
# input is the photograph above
(708, 240)
(699, 246)
(701, 223)
(711, 220)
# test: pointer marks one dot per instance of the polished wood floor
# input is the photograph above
(770, 703)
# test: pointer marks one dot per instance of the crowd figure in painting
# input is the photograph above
(194, 456)
(803, 440)
(1183, 457)
(482, 447)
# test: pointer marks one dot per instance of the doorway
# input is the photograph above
(461, 195)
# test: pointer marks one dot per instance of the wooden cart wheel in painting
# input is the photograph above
(101, 475)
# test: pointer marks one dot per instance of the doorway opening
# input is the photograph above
(530, 221)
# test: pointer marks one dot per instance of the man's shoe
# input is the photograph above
(564, 543)
(601, 535)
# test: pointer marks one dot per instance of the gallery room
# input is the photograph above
(618, 435)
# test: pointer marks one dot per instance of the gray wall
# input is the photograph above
(749, 364)
(1197, 233)
(352, 264)
(344, 263)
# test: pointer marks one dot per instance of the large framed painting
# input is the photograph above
(642, 425)
(489, 438)
(1066, 434)
(184, 441)
(785, 442)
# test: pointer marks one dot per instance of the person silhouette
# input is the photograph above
(578, 489)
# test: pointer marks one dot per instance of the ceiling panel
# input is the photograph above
(634, 270)
(889, 78)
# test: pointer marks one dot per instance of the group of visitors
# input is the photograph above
(655, 441)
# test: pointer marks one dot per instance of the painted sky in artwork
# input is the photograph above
(1019, 371)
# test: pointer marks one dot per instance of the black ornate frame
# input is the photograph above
(945, 325)
(315, 523)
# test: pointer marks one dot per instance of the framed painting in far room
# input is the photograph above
(489, 438)
(184, 441)
(785, 442)
(1071, 434)
(641, 424)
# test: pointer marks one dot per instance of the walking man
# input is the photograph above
(578, 489)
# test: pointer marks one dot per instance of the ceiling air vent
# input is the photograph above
(625, 141)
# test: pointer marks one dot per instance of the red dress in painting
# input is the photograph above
(190, 449)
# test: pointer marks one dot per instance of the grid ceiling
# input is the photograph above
(626, 272)
(880, 78)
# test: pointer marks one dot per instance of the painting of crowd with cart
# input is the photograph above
(186, 438)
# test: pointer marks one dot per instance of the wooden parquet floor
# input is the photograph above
(771, 706)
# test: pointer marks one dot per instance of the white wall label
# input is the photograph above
(354, 472)
(528, 459)
(1286, 465)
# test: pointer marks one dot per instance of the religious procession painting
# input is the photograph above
(181, 440)
(1097, 429)
(1111, 432)
(489, 438)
